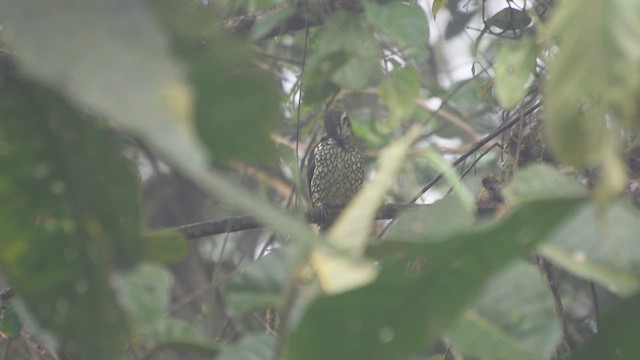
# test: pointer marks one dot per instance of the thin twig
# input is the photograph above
(546, 268)
(477, 146)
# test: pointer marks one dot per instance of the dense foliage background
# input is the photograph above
(514, 123)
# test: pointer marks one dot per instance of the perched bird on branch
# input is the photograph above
(335, 169)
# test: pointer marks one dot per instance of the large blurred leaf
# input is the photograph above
(617, 337)
(109, 56)
(236, 107)
(69, 210)
(405, 23)
(514, 66)
(514, 318)
(403, 311)
(603, 249)
(445, 216)
(346, 56)
(596, 246)
(593, 72)
(541, 181)
(112, 58)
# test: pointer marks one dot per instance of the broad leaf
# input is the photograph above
(514, 67)
(514, 318)
(405, 23)
(409, 306)
(69, 211)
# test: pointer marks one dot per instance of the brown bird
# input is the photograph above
(335, 169)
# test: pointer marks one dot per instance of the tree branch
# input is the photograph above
(311, 12)
(246, 222)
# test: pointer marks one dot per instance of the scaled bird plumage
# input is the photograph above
(335, 170)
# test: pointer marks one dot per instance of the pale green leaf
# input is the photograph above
(541, 181)
(443, 217)
(139, 86)
(514, 66)
(109, 56)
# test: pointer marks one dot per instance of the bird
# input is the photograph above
(335, 167)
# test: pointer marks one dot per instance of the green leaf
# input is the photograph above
(405, 23)
(142, 87)
(541, 181)
(509, 19)
(70, 211)
(600, 247)
(617, 334)
(514, 318)
(443, 217)
(399, 91)
(165, 247)
(10, 324)
(236, 106)
(346, 56)
(593, 72)
(251, 347)
(144, 293)
(260, 286)
(403, 311)
(514, 66)
(460, 189)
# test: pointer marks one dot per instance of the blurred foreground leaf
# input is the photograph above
(415, 298)
(69, 211)
(514, 318)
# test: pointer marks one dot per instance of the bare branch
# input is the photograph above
(311, 13)
(245, 222)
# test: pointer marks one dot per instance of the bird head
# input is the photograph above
(337, 125)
